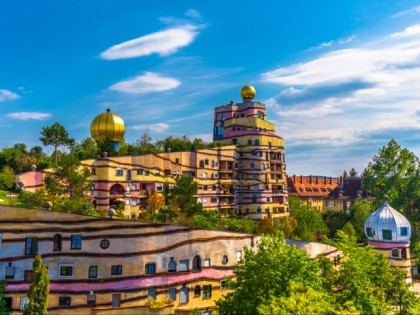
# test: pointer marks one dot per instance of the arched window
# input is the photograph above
(183, 295)
(201, 163)
(197, 263)
(171, 265)
(57, 242)
(256, 142)
(197, 291)
(250, 142)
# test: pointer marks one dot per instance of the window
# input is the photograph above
(368, 230)
(27, 275)
(197, 263)
(254, 153)
(57, 242)
(404, 253)
(133, 202)
(146, 173)
(223, 285)
(172, 294)
(64, 300)
(23, 303)
(404, 231)
(184, 265)
(65, 270)
(213, 200)
(139, 172)
(183, 295)
(197, 291)
(260, 115)
(238, 255)
(269, 145)
(252, 165)
(207, 291)
(150, 268)
(177, 160)
(256, 142)
(250, 142)
(207, 262)
(387, 234)
(116, 270)
(395, 252)
(205, 187)
(171, 265)
(91, 299)
(225, 260)
(119, 171)
(104, 244)
(31, 245)
(76, 242)
(9, 272)
(151, 294)
(93, 271)
(201, 163)
(213, 187)
(206, 161)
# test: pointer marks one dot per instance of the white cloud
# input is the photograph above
(193, 13)
(163, 43)
(410, 11)
(6, 95)
(408, 32)
(29, 115)
(146, 83)
(360, 92)
(158, 127)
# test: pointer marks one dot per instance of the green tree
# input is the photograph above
(38, 290)
(144, 144)
(367, 280)
(86, 149)
(275, 279)
(55, 135)
(395, 172)
(359, 212)
(32, 199)
(3, 308)
(182, 193)
(310, 225)
(353, 173)
(7, 178)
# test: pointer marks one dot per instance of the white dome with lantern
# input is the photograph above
(387, 225)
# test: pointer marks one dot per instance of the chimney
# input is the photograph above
(301, 179)
(310, 179)
(316, 180)
(294, 179)
(330, 180)
(325, 180)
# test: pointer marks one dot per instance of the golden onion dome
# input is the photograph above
(248, 91)
(107, 126)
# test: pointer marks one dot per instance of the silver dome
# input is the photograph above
(387, 225)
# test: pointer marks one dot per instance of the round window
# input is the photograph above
(225, 260)
(104, 244)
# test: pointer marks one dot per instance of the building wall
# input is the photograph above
(132, 245)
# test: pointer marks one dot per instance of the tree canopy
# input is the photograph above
(55, 135)
(38, 290)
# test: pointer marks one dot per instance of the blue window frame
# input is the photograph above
(116, 270)
(386, 234)
(369, 232)
(150, 268)
(76, 242)
(404, 231)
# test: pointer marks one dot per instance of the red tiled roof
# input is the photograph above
(311, 186)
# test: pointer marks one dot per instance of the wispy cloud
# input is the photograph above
(411, 11)
(360, 92)
(408, 32)
(6, 95)
(146, 83)
(193, 14)
(163, 43)
(334, 42)
(158, 127)
(29, 116)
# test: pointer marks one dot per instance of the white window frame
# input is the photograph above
(24, 301)
(65, 265)
(207, 262)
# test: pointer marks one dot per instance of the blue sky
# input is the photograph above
(340, 78)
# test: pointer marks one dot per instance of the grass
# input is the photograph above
(5, 200)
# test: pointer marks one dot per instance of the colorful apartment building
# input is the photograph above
(245, 175)
(312, 189)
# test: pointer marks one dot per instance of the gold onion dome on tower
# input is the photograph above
(107, 126)
(248, 91)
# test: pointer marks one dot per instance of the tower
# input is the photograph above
(260, 167)
(389, 232)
